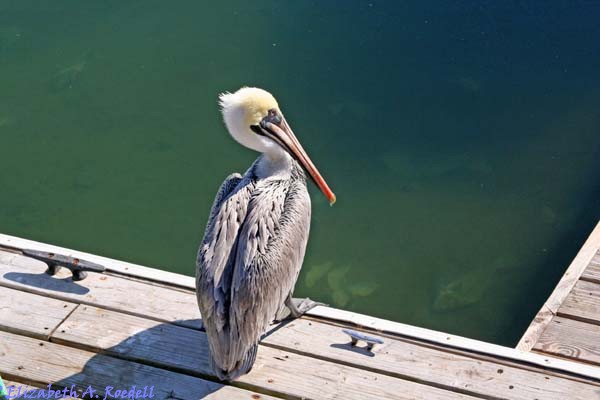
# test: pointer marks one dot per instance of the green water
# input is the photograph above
(462, 141)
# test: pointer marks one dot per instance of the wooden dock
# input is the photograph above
(134, 325)
(568, 324)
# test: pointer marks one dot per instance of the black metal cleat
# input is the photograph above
(356, 336)
(77, 266)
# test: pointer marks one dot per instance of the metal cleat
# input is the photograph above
(356, 336)
(54, 261)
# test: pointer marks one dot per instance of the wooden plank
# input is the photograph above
(454, 341)
(561, 291)
(276, 371)
(112, 292)
(592, 272)
(425, 364)
(583, 304)
(180, 307)
(122, 267)
(33, 315)
(327, 312)
(572, 339)
(38, 362)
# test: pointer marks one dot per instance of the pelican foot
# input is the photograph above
(295, 308)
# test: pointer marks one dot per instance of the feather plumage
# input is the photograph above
(249, 261)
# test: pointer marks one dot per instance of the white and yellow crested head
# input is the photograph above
(253, 102)
(253, 119)
(244, 108)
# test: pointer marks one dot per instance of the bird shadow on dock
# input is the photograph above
(171, 359)
(47, 282)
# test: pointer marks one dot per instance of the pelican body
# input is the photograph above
(256, 235)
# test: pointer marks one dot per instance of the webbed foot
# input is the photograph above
(295, 308)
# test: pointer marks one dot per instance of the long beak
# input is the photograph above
(283, 134)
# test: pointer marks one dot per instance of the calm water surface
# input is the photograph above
(462, 141)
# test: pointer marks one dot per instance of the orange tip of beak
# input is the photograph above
(332, 199)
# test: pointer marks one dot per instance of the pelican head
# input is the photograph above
(254, 120)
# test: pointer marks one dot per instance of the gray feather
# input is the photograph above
(249, 261)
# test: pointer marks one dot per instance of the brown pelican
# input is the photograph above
(256, 234)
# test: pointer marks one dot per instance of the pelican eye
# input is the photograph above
(273, 116)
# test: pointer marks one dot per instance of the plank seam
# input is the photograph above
(62, 322)
(561, 356)
(149, 281)
(24, 381)
(579, 318)
(84, 302)
(590, 279)
(30, 333)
